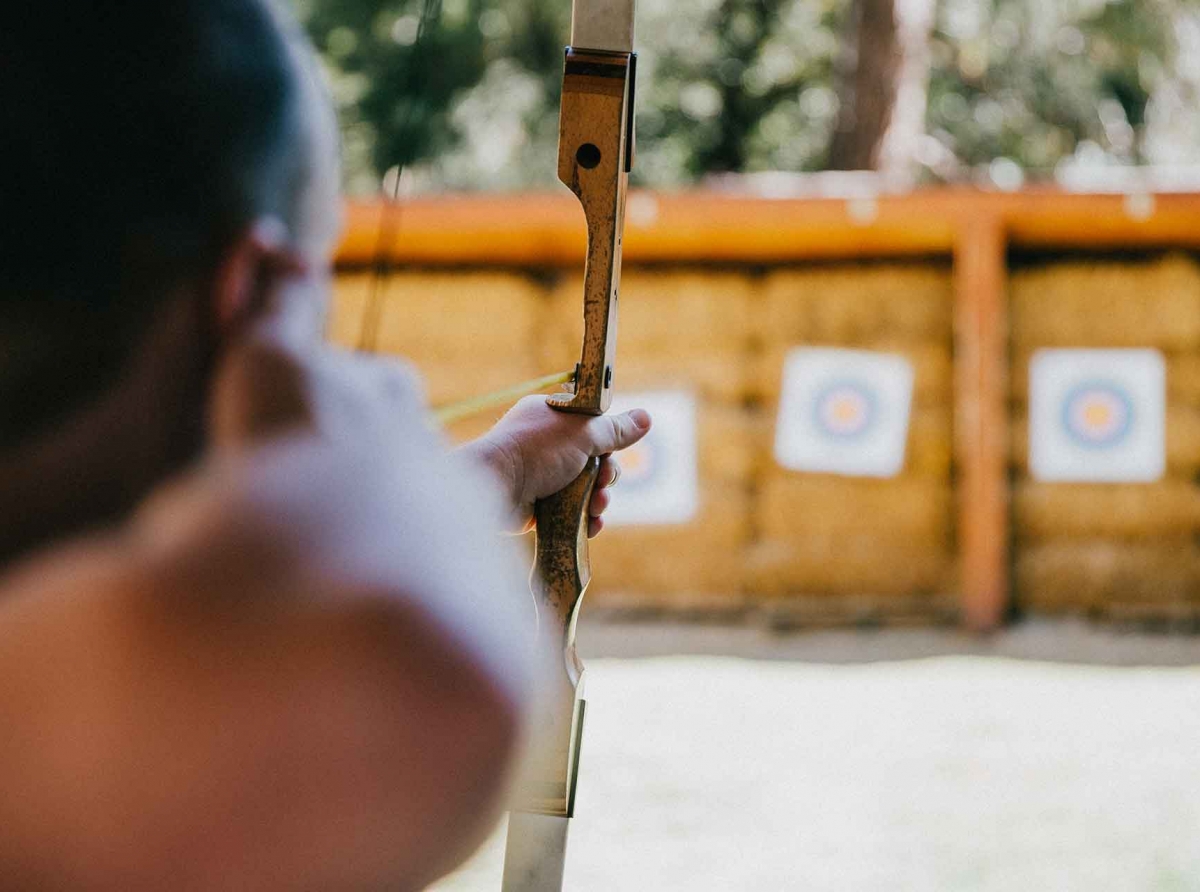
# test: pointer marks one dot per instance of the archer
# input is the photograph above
(257, 626)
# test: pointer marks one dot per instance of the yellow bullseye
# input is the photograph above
(845, 410)
(1097, 415)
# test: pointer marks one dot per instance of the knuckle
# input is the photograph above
(623, 430)
(616, 429)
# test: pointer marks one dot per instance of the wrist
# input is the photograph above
(502, 460)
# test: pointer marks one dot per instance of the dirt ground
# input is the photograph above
(1053, 757)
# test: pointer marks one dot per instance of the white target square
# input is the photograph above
(660, 481)
(1097, 416)
(844, 412)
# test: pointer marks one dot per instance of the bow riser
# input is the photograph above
(595, 153)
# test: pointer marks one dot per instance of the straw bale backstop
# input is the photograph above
(716, 291)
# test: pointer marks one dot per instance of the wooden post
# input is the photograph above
(981, 419)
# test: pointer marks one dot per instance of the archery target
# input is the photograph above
(844, 412)
(660, 482)
(1097, 415)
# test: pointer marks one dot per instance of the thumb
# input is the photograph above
(612, 433)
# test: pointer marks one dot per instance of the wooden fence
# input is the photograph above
(485, 291)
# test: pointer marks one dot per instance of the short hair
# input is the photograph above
(137, 139)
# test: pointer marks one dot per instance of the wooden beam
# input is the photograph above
(1058, 221)
(981, 421)
(547, 230)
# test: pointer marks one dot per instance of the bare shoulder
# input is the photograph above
(64, 660)
(313, 677)
(56, 601)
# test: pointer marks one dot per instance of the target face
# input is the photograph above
(660, 482)
(844, 412)
(1097, 415)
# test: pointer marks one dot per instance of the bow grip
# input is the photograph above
(561, 574)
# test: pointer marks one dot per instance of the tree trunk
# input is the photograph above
(884, 77)
(870, 68)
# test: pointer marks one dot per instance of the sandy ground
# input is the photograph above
(886, 761)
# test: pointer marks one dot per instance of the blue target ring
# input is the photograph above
(845, 410)
(1098, 415)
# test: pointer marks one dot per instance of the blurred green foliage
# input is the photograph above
(1036, 83)
(1015, 86)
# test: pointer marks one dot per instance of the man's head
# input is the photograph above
(143, 144)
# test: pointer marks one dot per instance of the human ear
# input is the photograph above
(249, 273)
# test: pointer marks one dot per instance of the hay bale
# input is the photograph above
(1178, 617)
(466, 429)
(444, 316)
(857, 304)
(803, 612)
(675, 312)
(346, 308)
(1102, 511)
(678, 330)
(1086, 577)
(704, 556)
(1183, 440)
(726, 444)
(933, 382)
(467, 333)
(837, 565)
(720, 378)
(451, 380)
(1154, 304)
(1018, 374)
(930, 450)
(799, 508)
(1183, 378)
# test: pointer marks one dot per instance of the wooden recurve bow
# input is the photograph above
(595, 155)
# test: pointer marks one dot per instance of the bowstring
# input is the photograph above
(391, 214)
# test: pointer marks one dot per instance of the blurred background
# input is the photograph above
(902, 592)
(990, 92)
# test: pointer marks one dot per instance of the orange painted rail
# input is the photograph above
(547, 229)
